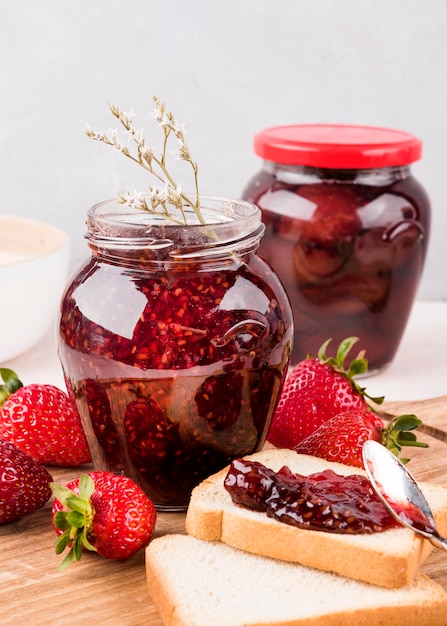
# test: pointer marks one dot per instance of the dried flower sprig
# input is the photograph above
(159, 200)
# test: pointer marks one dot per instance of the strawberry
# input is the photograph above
(24, 484)
(219, 400)
(151, 438)
(341, 437)
(316, 390)
(101, 512)
(42, 422)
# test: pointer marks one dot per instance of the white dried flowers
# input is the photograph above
(159, 199)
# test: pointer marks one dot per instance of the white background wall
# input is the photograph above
(227, 69)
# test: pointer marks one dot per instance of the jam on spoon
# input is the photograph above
(400, 493)
(323, 501)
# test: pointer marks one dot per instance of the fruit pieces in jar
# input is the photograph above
(350, 257)
(190, 373)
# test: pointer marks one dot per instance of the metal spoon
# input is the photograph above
(399, 492)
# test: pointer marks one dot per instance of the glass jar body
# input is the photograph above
(175, 352)
(349, 246)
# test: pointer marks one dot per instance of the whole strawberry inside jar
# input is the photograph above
(174, 341)
(347, 229)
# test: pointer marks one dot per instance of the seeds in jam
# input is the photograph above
(322, 501)
(174, 373)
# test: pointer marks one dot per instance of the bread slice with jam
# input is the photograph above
(390, 558)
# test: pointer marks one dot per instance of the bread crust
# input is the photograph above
(389, 559)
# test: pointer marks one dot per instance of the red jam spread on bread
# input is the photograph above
(323, 501)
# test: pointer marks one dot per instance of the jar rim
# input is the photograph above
(228, 208)
(337, 146)
(112, 225)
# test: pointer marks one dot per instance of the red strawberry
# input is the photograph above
(24, 484)
(42, 422)
(316, 390)
(219, 399)
(104, 513)
(341, 437)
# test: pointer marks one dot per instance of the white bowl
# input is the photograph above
(34, 262)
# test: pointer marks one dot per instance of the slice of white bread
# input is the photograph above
(389, 559)
(202, 583)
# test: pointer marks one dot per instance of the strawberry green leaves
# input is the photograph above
(75, 522)
(399, 433)
(10, 383)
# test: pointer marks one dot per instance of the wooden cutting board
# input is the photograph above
(96, 591)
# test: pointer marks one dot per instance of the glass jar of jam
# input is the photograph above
(347, 229)
(174, 341)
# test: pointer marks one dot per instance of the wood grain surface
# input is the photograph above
(99, 592)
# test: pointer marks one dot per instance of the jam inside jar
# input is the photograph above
(174, 341)
(347, 228)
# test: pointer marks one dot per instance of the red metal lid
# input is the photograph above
(337, 146)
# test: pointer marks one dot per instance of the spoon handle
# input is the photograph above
(439, 542)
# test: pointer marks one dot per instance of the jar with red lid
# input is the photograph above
(347, 229)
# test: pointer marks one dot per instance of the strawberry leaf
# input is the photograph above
(358, 366)
(60, 520)
(78, 504)
(10, 384)
(63, 541)
(407, 437)
(343, 350)
(399, 433)
(61, 493)
(78, 547)
(322, 351)
(405, 422)
(10, 379)
(86, 487)
(76, 520)
(68, 560)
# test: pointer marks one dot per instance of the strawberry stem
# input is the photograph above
(76, 521)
